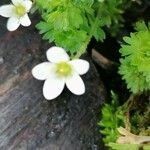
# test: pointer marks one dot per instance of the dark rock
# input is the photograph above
(27, 120)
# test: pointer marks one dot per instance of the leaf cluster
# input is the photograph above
(135, 61)
(65, 22)
(112, 118)
(110, 14)
(71, 23)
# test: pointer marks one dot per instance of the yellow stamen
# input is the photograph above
(20, 10)
(63, 69)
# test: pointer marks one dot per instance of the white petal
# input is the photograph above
(53, 87)
(75, 84)
(16, 2)
(7, 10)
(80, 66)
(57, 54)
(28, 5)
(25, 21)
(13, 23)
(42, 71)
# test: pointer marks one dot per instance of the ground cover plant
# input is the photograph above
(73, 26)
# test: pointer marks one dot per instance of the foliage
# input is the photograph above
(111, 14)
(135, 62)
(116, 146)
(63, 22)
(72, 23)
(112, 118)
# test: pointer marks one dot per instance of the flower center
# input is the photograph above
(20, 10)
(63, 69)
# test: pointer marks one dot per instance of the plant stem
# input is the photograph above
(83, 48)
(127, 106)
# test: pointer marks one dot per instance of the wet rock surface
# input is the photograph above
(27, 120)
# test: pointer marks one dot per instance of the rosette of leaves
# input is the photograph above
(135, 61)
(72, 23)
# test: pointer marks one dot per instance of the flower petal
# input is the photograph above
(16, 2)
(28, 5)
(80, 66)
(13, 23)
(75, 84)
(7, 10)
(25, 21)
(57, 54)
(53, 87)
(42, 71)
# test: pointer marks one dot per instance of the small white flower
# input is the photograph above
(60, 70)
(17, 13)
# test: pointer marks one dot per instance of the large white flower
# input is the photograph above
(60, 70)
(17, 13)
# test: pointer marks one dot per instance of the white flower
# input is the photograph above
(60, 70)
(17, 13)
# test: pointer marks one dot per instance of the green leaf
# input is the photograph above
(116, 146)
(99, 34)
(147, 147)
(141, 26)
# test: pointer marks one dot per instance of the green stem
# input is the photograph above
(83, 48)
